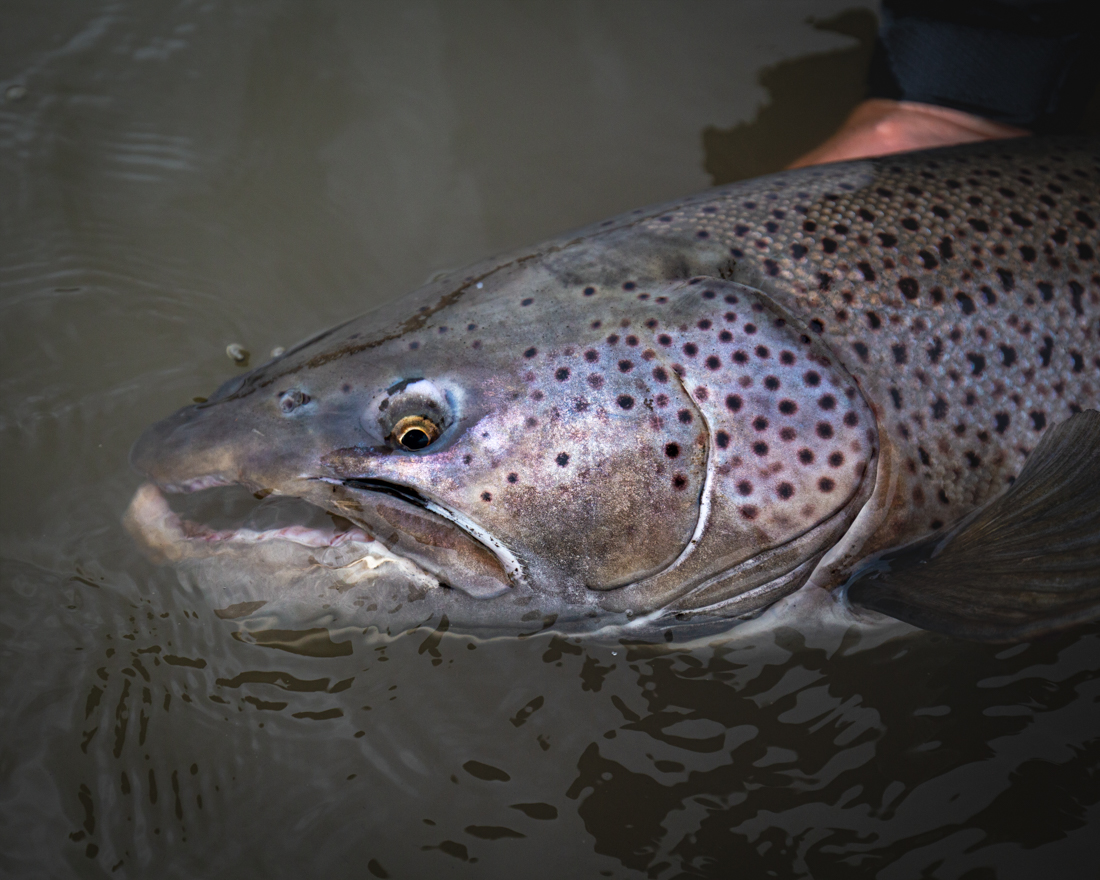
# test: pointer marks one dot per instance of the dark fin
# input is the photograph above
(1026, 564)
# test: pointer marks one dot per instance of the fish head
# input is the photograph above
(494, 438)
(537, 429)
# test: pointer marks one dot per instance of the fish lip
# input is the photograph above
(394, 490)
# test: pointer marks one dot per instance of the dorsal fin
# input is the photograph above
(1026, 564)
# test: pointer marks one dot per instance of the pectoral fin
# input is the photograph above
(1026, 564)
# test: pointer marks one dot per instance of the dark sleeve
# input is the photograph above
(1029, 63)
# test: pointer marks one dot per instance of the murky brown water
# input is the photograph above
(175, 177)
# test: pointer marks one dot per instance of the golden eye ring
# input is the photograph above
(415, 433)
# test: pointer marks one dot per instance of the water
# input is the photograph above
(176, 177)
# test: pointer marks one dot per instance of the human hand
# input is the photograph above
(878, 127)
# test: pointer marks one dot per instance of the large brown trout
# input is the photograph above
(698, 408)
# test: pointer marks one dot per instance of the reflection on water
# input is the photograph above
(176, 178)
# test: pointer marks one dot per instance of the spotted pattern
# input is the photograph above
(962, 289)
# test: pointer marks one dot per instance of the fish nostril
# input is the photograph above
(291, 400)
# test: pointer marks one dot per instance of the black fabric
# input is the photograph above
(1029, 63)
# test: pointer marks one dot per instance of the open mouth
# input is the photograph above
(211, 517)
(216, 515)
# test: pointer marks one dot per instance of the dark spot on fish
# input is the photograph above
(513, 477)
(911, 224)
(866, 270)
(1038, 419)
(1076, 290)
(589, 291)
(978, 224)
(486, 496)
(909, 287)
(817, 325)
(887, 239)
(827, 401)
(531, 352)
(760, 447)
(826, 485)
(625, 366)
(629, 285)
(595, 380)
(805, 456)
(824, 281)
(965, 303)
(722, 439)
(851, 419)
(925, 459)
(664, 339)
(1078, 361)
(744, 488)
(798, 251)
(684, 416)
(561, 374)
(1008, 355)
(901, 354)
(836, 459)
(824, 430)
(930, 262)
(1002, 420)
(939, 408)
(788, 407)
(659, 374)
(862, 350)
(527, 301)
(935, 350)
(828, 245)
(1047, 350)
(977, 362)
(562, 459)
(613, 339)
(625, 401)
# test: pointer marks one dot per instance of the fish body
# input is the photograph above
(696, 408)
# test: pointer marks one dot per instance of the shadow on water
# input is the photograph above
(810, 97)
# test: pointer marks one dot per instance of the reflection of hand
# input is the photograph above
(879, 126)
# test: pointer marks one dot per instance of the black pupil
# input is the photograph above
(415, 438)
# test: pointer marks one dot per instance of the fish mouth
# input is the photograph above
(168, 536)
(372, 519)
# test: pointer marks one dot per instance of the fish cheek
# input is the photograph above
(613, 519)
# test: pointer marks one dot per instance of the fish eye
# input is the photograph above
(415, 433)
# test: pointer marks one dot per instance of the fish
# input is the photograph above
(876, 378)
